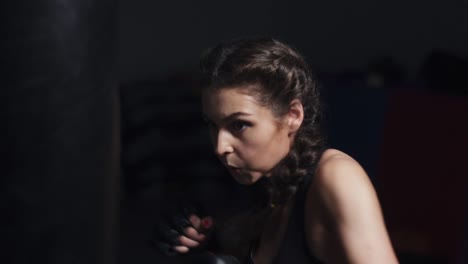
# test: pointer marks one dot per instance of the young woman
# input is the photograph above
(263, 109)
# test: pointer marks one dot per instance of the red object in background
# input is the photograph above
(422, 173)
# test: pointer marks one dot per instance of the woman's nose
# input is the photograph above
(222, 144)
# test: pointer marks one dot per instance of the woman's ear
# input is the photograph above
(295, 115)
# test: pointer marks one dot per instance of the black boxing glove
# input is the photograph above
(226, 259)
(210, 258)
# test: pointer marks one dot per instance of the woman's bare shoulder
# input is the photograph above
(335, 165)
(334, 155)
(349, 206)
(340, 182)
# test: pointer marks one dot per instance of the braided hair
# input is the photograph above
(279, 75)
(274, 74)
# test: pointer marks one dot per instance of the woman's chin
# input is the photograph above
(245, 178)
(243, 181)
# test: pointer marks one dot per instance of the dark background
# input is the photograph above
(158, 39)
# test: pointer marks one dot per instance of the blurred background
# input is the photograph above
(394, 76)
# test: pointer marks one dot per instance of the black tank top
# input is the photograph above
(294, 247)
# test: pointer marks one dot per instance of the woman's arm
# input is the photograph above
(349, 213)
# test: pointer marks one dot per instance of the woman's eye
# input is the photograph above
(238, 126)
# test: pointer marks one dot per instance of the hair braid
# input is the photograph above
(276, 75)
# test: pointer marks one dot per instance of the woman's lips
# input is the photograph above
(234, 169)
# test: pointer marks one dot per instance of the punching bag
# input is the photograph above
(59, 139)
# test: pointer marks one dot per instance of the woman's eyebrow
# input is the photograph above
(228, 118)
(234, 116)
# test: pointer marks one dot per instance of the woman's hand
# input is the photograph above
(181, 230)
(193, 235)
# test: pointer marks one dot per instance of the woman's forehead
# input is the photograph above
(224, 102)
(227, 99)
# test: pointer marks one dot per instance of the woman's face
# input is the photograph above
(246, 137)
